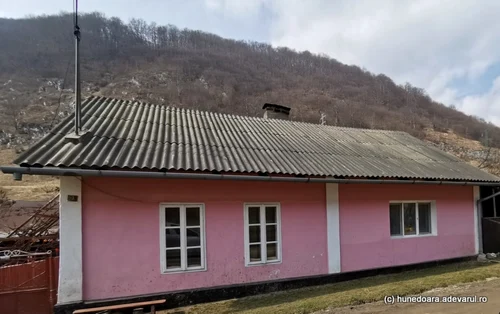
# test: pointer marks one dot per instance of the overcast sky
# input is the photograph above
(449, 48)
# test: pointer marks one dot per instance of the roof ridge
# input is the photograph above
(200, 111)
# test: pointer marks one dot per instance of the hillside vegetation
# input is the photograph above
(193, 69)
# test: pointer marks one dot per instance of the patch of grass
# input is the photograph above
(355, 292)
(32, 188)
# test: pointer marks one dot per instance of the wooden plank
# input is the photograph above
(23, 290)
(119, 306)
(12, 239)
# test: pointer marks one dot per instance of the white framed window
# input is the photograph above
(262, 234)
(182, 237)
(412, 218)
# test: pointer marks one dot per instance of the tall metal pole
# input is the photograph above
(494, 196)
(77, 73)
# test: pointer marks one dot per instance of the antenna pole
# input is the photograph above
(77, 73)
(322, 120)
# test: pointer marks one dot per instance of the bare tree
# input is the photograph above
(5, 203)
(3, 197)
(486, 162)
(13, 110)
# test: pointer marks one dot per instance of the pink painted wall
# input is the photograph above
(121, 250)
(365, 233)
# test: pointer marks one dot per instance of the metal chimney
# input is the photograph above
(274, 111)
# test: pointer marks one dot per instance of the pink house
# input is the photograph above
(159, 201)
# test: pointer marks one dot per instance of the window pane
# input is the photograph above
(271, 233)
(193, 237)
(253, 215)
(192, 216)
(172, 216)
(409, 215)
(272, 251)
(395, 217)
(424, 218)
(271, 214)
(194, 257)
(255, 255)
(173, 238)
(254, 234)
(173, 259)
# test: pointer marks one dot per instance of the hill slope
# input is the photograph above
(184, 68)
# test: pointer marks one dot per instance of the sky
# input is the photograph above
(450, 48)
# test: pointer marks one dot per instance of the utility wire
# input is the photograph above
(60, 94)
(56, 113)
(114, 195)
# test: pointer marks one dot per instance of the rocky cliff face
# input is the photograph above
(29, 109)
(474, 152)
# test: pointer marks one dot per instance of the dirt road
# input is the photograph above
(489, 289)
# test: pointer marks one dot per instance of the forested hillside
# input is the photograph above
(186, 68)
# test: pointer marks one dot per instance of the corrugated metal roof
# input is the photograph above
(135, 135)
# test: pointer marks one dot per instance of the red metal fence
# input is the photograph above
(29, 288)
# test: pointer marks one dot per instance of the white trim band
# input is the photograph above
(70, 287)
(333, 227)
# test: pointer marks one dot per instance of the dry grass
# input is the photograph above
(367, 290)
(452, 138)
(32, 188)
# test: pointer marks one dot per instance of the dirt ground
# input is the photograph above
(489, 289)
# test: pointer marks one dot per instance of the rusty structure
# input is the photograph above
(39, 233)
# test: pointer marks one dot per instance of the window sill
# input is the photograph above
(413, 236)
(180, 271)
(262, 264)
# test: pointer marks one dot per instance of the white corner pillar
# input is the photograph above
(478, 222)
(70, 241)
(333, 227)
